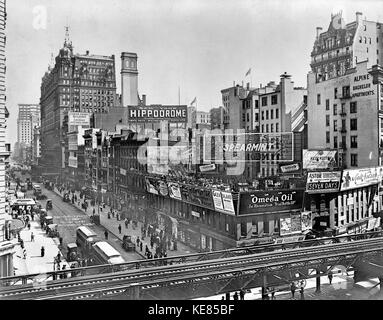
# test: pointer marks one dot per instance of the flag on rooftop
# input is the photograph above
(194, 101)
(248, 72)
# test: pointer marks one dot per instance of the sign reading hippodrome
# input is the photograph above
(156, 113)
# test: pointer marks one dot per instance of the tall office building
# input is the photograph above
(344, 91)
(79, 83)
(6, 246)
(28, 119)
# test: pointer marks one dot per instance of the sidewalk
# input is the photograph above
(112, 226)
(34, 263)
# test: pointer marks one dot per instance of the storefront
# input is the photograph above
(265, 215)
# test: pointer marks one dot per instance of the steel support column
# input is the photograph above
(317, 281)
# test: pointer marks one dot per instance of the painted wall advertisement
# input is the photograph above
(260, 202)
(357, 178)
(150, 186)
(319, 159)
(78, 118)
(198, 196)
(323, 182)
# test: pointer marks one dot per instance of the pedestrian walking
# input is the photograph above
(138, 241)
(42, 251)
(33, 216)
(302, 293)
(106, 234)
(273, 295)
(119, 228)
(59, 257)
(330, 275)
(32, 237)
(24, 253)
(29, 226)
(293, 288)
(235, 296)
(242, 294)
(227, 295)
(140, 246)
(151, 243)
(126, 223)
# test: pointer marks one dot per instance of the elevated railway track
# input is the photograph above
(200, 278)
(182, 259)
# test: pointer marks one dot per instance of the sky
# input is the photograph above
(199, 46)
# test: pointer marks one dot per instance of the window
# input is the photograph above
(267, 114)
(271, 114)
(276, 113)
(263, 115)
(271, 128)
(353, 124)
(263, 128)
(327, 104)
(335, 110)
(327, 120)
(354, 160)
(274, 99)
(335, 93)
(277, 127)
(318, 99)
(335, 125)
(327, 137)
(353, 107)
(354, 142)
(264, 101)
(248, 117)
(336, 142)
(267, 128)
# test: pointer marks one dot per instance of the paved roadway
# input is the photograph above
(69, 218)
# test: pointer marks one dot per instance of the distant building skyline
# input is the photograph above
(172, 44)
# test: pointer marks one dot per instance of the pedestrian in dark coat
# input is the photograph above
(235, 296)
(106, 234)
(119, 228)
(42, 251)
(242, 294)
(140, 246)
(293, 288)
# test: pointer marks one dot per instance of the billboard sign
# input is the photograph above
(174, 191)
(208, 167)
(198, 196)
(223, 201)
(290, 168)
(247, 147)
(156, 113)
(357, 178)
(323, 182)
(217, 199)
(292, 224)
(78, 118)
(150, 186)
(260, 202)
(319, 159)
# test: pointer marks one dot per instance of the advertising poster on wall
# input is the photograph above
(306, 219)
(285, 226)
(357, 178)
(319, 159)
(323, 182)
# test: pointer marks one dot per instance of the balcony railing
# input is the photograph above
(343, 130)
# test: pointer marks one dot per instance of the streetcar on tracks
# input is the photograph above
(85, 238)
(103, 253)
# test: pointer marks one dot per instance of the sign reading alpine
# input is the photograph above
(322, 182)
(259, 202)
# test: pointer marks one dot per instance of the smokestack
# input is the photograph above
(358, 17)
(319, 29)
(248, 86)
(144, 99)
